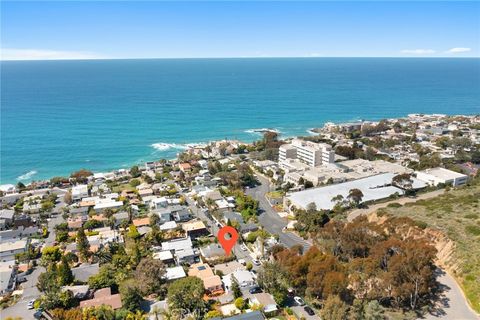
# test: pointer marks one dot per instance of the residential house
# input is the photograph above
(165, 256)
(211, 282)
(244, 278)
(8, 249)
(79, 191)
(182, 250)
(212, 252)
(85, 271)
(79, 291)
(195, 229)
(266, 300)
(7, 276)
(6, 215)
(103, 297)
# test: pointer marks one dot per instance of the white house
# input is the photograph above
(79, 191)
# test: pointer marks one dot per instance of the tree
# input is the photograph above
(355, 196)
(249, 266)
(48, 281)
(133, 232)
(334, 309)
(92, 224)
(403, 181)
(237, 293)
(51, 255)
(150, 275)
(47, 206)
(68, 198)
(81, 176)
(240, 303)
(187, 294)
(274, 279)
(106, 277)
(83, 246)
(65, 275)
(21, 186)
(135, 172)
(131, 296)
(135, 182)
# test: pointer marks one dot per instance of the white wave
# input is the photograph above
(261, 131)
(162, 146)
(27, 175)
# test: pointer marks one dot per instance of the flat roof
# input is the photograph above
(373, 188)
(175, 273)
(443, 173)
(13, 245)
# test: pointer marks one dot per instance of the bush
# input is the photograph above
(394, 205)
(473, 230)
(240, 303)
(471, 216)
(421, 224)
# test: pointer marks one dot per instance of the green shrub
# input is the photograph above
(473, 230)
(394, 205)
(421, 224)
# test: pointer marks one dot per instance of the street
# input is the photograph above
(270, 220)
(30, 291)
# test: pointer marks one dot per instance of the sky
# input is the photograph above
(109, 29)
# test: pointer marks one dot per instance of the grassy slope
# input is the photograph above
(457, 214)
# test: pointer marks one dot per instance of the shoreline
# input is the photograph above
(28, 177)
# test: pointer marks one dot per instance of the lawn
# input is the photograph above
(456, 214)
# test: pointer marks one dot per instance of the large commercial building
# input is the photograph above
(374, 188)
(311, 153)
(439, 175)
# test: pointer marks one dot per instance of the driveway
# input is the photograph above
(269, 218)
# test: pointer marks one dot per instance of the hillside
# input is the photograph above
(457, 215)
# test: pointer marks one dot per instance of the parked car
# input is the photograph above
(256, 262)
(299, 301)
(309, 310)
(243, 247)
(255, 289)
(242, 261)
(30, 305)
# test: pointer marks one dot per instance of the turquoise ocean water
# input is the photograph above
(59, 116)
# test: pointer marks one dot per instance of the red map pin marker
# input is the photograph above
(227, 244)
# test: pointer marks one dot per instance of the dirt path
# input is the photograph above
(358, 212)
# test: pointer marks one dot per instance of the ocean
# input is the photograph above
(60, 116)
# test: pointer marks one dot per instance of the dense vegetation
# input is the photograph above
(456, 214)
(355, 264)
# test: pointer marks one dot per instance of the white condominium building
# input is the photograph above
(310, 153)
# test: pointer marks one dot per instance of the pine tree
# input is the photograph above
(237, 293)
(83, 246)
(65, 275)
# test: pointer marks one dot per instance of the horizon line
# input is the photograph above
(252, 57)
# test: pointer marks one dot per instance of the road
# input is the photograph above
(363, 211)
(452, 303)
(270, 220)
(30, 291)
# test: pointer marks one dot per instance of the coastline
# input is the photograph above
(162, 150)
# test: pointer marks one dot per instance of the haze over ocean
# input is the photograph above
(60, 116)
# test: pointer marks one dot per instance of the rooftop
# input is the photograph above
(373, 188)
